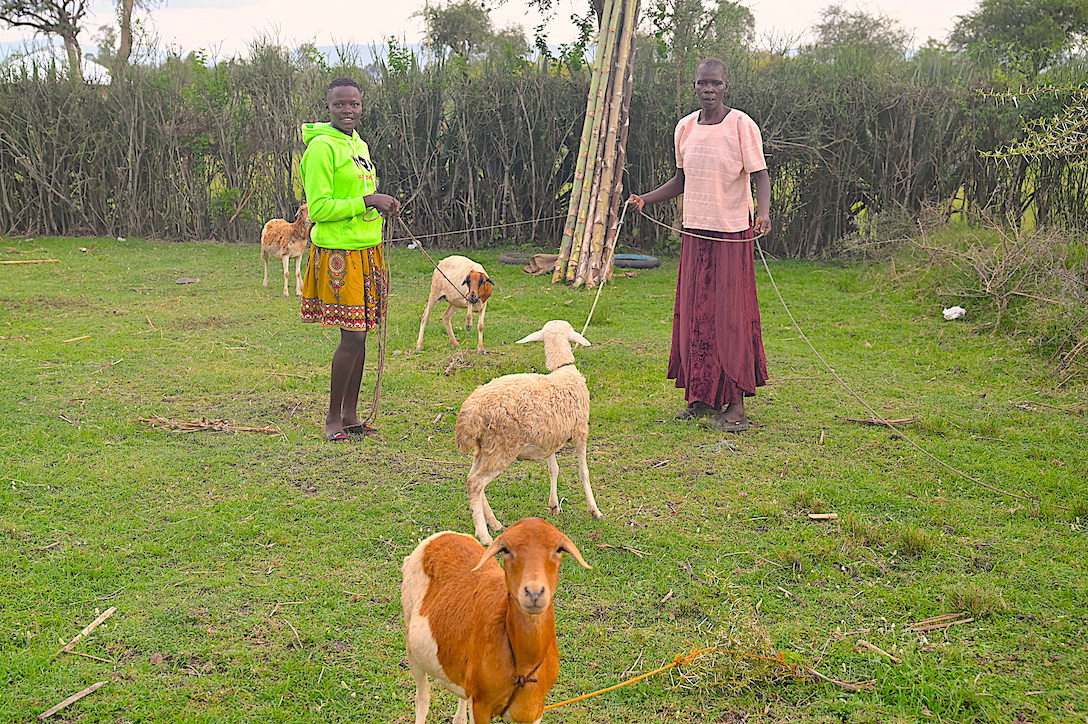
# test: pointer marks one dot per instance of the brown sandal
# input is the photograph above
(694, 410)
(718, 422)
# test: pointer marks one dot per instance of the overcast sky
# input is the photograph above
(225, 27)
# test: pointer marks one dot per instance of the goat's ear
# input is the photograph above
(493, 549)
(568, 546)
(468, 281)
(575, 337)
(537, 336)
(488, 280)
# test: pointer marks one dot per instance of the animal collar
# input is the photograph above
(520, 680)
(563, 365)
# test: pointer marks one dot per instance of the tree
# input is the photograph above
(1029, 33)
(50, 17)
(462, 27)
(874, 35)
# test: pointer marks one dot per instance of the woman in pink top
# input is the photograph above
(717, 346)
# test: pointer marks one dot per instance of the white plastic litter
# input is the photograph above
(955, 313)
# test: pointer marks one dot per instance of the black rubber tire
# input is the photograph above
(635, 261)
(519, 258)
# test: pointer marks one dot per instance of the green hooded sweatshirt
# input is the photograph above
(336, 174)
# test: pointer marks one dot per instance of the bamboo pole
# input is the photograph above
(606, 50)
(621, 156)
(591, 271)
(593, 111)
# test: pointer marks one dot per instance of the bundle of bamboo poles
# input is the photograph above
(589, 237)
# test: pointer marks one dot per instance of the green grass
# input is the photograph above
(195, 538)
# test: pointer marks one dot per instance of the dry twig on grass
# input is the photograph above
(1031, 406)
(456, 362)
(204, 423)
(875, 421)
(865, 644)
(637, 552)
(32, 261)
(71, 699)
(67, 648)
(931, 624)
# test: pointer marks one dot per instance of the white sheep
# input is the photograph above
(285, 240)
(526, 417)
(485, 633)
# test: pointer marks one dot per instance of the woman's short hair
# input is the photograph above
(713, 64)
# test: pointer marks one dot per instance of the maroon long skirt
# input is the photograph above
(717, 346)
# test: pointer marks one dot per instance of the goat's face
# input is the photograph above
(479, 287)
(303, 214)
(532, 549)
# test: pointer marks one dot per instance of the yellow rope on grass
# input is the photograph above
(678, 660)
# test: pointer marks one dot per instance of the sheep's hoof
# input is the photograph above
(555, 509)
(596, 514)
(468, 327)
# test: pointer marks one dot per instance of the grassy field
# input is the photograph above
(256, 577)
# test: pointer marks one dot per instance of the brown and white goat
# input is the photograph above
(472, 292)
(281, 239)
(485, 633)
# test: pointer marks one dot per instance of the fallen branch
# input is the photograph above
(934, 627)
(88, 656)
(1030, 406)
(792, 595)
(876, 421)
(32, 261)
(76, 339)
(823, 516)
(877, 649)
(204, 423)
(457, 361)
(67, 648)
(276, 608)
(71, 699)
(935, 619)
(862, 686)
(637, 552)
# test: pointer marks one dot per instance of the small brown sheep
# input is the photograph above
(526, 417)
(286, 240)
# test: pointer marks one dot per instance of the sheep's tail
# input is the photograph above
(467, 433)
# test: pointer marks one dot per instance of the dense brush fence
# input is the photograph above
(194, 150)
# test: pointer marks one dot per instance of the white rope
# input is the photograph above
(876, 415)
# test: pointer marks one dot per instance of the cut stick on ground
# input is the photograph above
(72, 699)
(865, 644)
(1029, 404)
(823, 516)
(32, 261)
(623, 548)
(934, 627)
(791, 595)
(875, 421)
(935, 619)
(76, 339)
(276, 608)
(93, 625)
(204, 423)
(88, 656)
(862, 686)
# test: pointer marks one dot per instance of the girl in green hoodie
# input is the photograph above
(347, 282)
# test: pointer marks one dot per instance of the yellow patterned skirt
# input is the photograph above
(346, 289)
